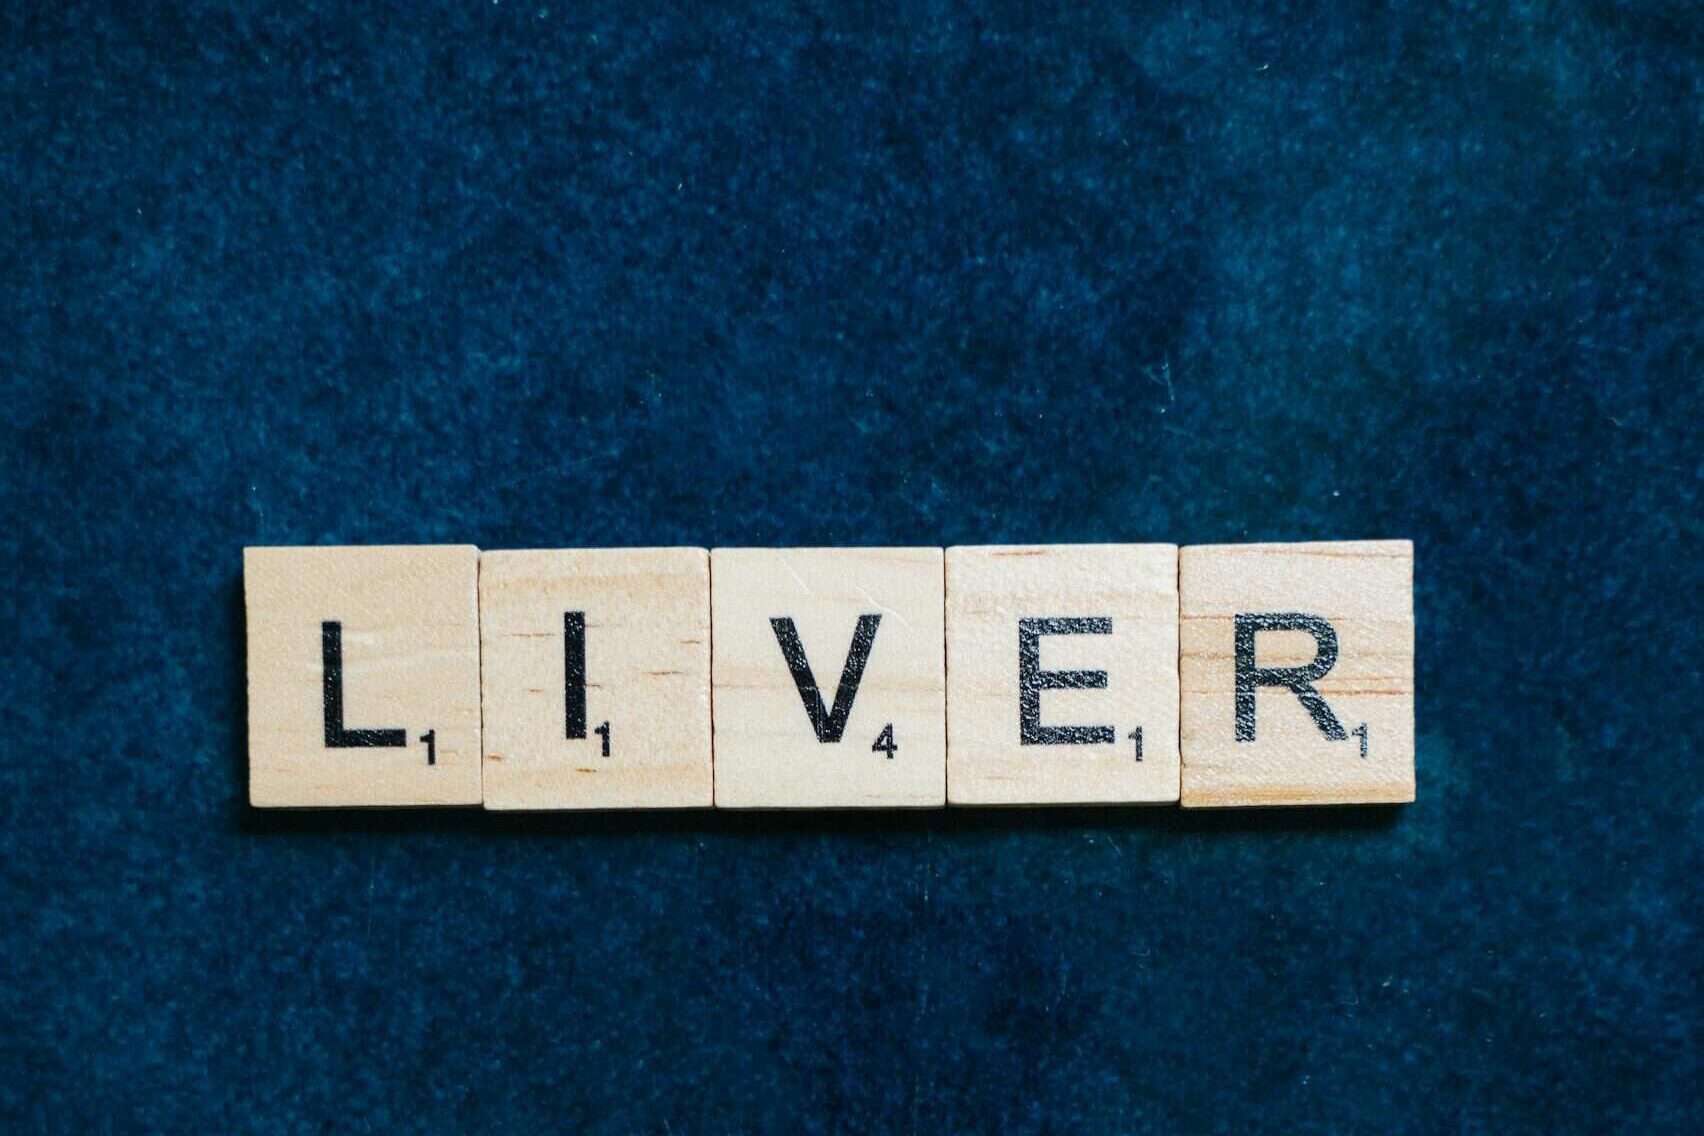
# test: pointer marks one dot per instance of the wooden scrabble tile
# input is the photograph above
(829, 681)
(1297, 664)
(596, 678)
(1062, 674)
(363, 675)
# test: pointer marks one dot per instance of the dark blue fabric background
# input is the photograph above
(553, 274)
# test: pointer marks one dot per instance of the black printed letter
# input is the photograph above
(1300, 680)
(828, 725)
(574, 673)
(331, 661)
(1032, 680)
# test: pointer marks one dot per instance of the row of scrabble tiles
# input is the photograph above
(1256, 674)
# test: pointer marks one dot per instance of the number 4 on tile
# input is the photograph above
(885, 743)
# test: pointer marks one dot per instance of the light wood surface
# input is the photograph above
(1358, 592)
(356, 657)
(1092, 631)
(768, 752)
(831, 677)
(611, 645)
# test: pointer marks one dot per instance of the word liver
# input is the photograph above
(1220, 675)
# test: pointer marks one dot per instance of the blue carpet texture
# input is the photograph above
(553, 274)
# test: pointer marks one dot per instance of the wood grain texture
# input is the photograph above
(642, 624)
(1128, 596)
(404, 622)
(1362, 590)
(768, 755)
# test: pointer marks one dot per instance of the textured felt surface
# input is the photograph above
(562, 274)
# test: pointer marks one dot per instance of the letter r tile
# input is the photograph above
(828, 677)
(363, 675)
(1297, 667)
(1062, 674)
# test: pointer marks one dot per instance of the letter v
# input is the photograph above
(829, 726)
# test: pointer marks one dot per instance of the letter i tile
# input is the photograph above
(596, 676)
